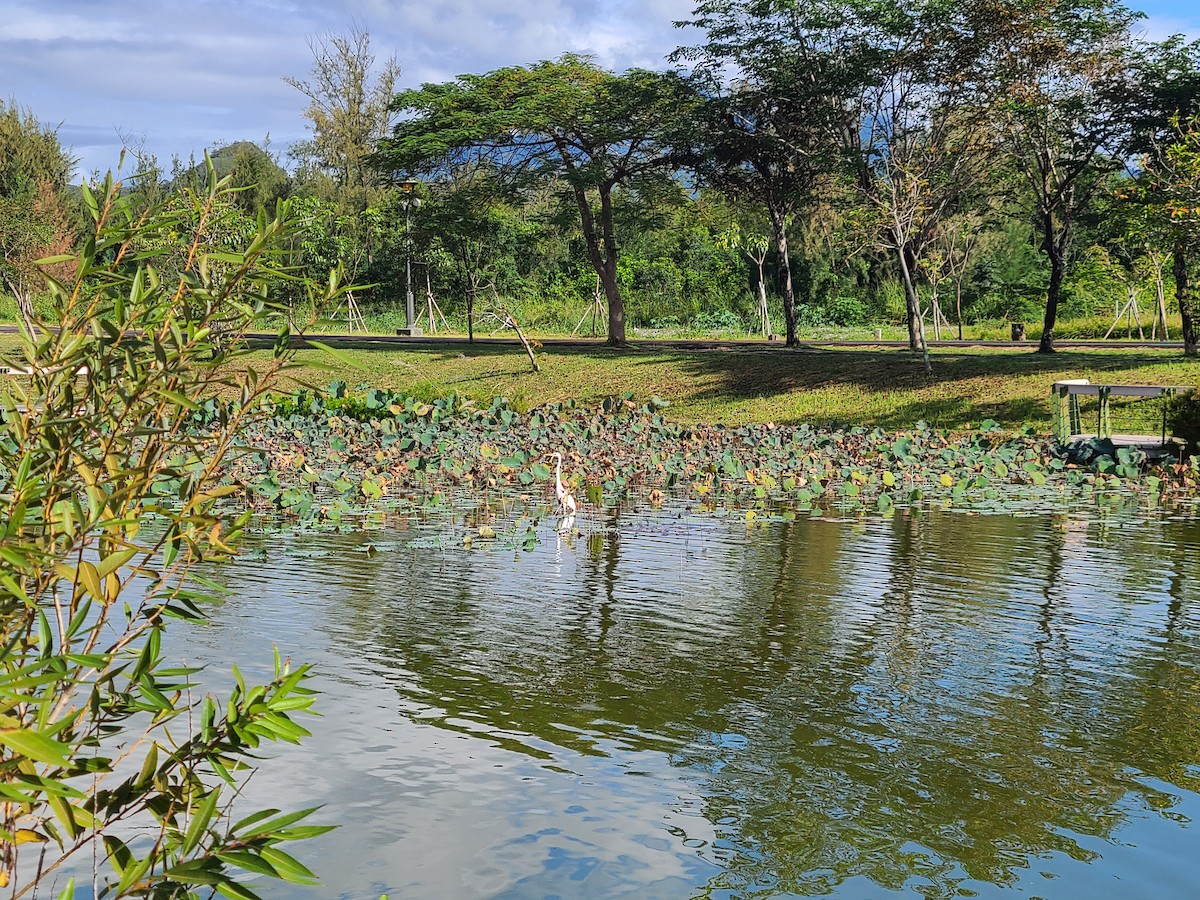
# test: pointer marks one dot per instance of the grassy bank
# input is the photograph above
(854, 386)
(883, 387)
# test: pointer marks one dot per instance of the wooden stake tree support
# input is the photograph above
(354, 316)
(507, 320)
(432, 311)
(597, 311)
(1130, 311)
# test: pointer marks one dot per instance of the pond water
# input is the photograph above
(672, 705)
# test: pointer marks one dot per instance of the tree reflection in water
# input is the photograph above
(930, 702)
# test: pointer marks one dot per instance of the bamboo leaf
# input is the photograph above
(201, 817)
(90, 578)
(274, 825)
(36, 746)
(251, 862)
(344, 358)
(289, 868)
(236, 890)
(115, 561)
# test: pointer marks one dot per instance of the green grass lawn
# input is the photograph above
(868, 387)
(854, 386)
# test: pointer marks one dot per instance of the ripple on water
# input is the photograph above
(671, 703)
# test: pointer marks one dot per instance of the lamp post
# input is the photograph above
(410, 201)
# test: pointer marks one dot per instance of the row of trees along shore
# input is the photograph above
(843, 162)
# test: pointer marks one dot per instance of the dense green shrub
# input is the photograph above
(1183, 417)
(111, 494)
(846, 311)
(720, 320)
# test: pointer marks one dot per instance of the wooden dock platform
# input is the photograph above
(1068, 418)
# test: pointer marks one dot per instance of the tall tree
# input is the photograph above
(349, 108)
(752, 148)
(917, 147)
(35, 217)
(565, 122)
(1062, 90)
(1168, 75)
(775, 79)
(1170, 190)
(884, 88)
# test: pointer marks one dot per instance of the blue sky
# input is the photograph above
(182, 77)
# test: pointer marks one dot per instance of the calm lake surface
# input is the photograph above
(673, 705)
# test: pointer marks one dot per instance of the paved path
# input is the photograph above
(689, 345)
(428, 342)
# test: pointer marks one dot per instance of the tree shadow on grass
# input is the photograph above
(469, 351)
(957, 413)
(489, 376)
(741, 375)
(751, 372)
(734, 376)
(967, 385)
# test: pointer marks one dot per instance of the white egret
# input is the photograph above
(566, 502)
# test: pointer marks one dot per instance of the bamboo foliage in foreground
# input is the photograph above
(113, 762)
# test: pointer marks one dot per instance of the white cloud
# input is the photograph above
(210, 71)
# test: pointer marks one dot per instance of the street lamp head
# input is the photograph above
(408, 193)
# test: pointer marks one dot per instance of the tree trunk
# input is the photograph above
(1056, 251)
(783, 266)
(916, 326)
(912, 303)
(24, 301)
(1183, 294)
(616, 306)
(25, 306)
(604, 258)
(1053, 291)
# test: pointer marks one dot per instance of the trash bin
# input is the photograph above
(1018, 331)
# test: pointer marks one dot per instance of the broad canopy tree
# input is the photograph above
(775, 78)
(1063, 92)
(565, 122)
(749, 147)
(872, 95)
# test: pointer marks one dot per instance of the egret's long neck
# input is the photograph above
(558, 467)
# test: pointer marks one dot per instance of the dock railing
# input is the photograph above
(1068, 420)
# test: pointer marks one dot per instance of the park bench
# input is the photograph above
(1068, 417)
